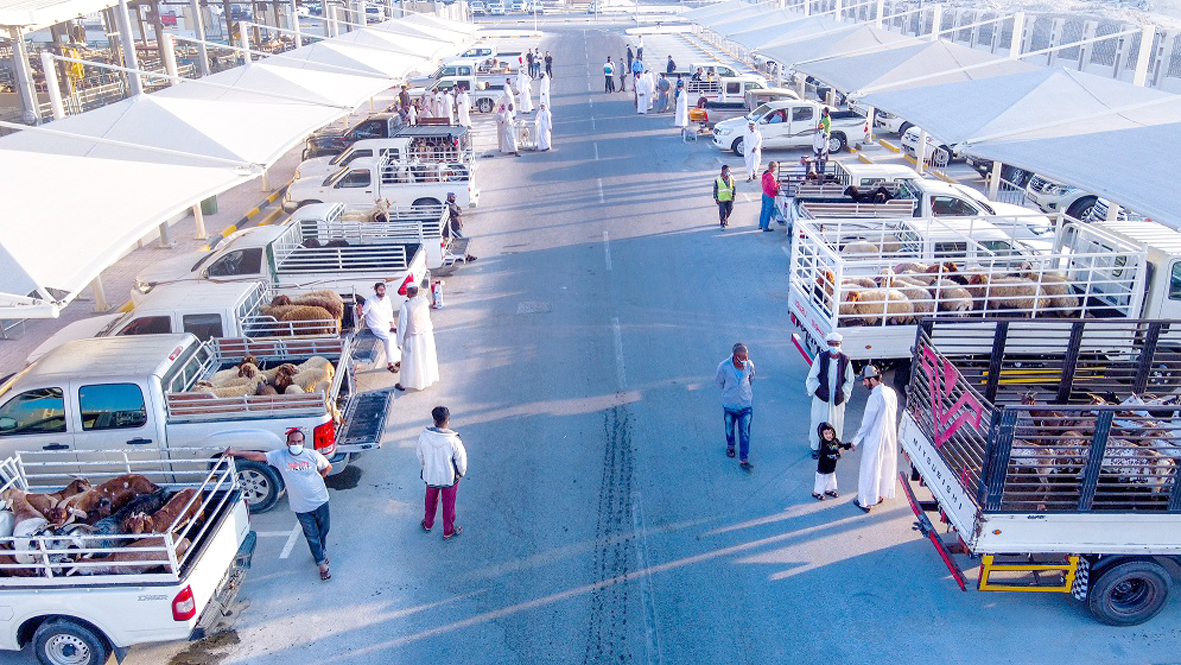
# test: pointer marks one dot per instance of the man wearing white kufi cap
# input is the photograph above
(829, 384)
(878, 441)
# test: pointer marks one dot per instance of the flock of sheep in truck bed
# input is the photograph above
(127, 516)
(911, 291)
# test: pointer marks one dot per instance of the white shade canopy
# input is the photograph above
(736, 14)
(718, 9)
(764, 34)
(727, 26)
(845, 40)
(901, 63)
(51, 249)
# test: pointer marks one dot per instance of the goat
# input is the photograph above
(137, 552)
(182, 508)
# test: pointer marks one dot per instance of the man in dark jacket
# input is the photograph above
(830, 385)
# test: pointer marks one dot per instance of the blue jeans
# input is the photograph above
(767, 212)
(742, 417)
(315, 529)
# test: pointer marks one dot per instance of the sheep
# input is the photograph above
(329, 300)
(871, 305)
(909, 267)
(991, 292)
(951, 297)
(318, 362)
(921, 300)
(304, 313)
(309, 379)
(1057, 288)
(860, 247)
(859, 282)
(249, 387)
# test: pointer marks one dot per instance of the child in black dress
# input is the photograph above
(826, 466)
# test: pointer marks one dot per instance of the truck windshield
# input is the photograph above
(187, 369)
(759, 112)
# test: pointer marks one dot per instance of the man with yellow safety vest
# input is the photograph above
(724, 195)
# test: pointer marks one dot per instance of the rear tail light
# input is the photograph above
(324, 438)
(405, 283)
(184, 606)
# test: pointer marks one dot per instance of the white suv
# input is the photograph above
(1053, 196)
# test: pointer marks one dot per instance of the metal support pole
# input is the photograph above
(166, 236)
(127, 43)
(168, 52)
(936, 21)
(244, 35)
(869, 113)
(361, 17)
(1016, 41)
(330, 20)
(920, 152)
(879, 13)
(266, 180)
(1084, 49)
(1112, 211)
(199, 33)
(295, 24)
(1055, 37)
(52, 86)
(994, 181)
(100, 295)
(1142, 57)
(199, 221)
(24, 77)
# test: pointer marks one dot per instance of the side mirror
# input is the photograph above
(7, 424)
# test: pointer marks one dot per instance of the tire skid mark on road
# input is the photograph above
(607, 637)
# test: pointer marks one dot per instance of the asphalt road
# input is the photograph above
(603, 522)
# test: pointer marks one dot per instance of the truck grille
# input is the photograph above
(1039, 184)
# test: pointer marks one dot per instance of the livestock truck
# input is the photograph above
(1115, 270)
(76, 598)
(1048, 451)
(426, 225)
(141, 394)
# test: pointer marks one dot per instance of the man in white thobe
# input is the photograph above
(416, 339)
(506, 96)
(545, 124)
(438, 110)
(449, 107)
(463, 106)
(525, 90)
(682, 119)
(878, 439)
(378, 313)
(752, 150)
(643, 91)
(544, 94)
(830, 385)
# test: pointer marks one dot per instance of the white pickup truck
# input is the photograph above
(289, 258)
(387, 178)
(483, 90)
(727, 91)
(205, 309)
(140, 394)
(428, 226)
(912, 195)
(792, 124)
(79, 609)
(1084, 270)
(412, 153)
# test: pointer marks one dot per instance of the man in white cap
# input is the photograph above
(879, 438)
(752, 149)
(830, 385)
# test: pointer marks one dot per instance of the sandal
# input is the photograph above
(424, 526)
(746, 466)
(458, 530)
(818, 497)
(729, 452)
(832, 494)
(325, 575)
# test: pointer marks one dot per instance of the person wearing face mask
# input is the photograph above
(303, 471)
(830, 385)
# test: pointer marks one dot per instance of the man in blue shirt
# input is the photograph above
(734, 377)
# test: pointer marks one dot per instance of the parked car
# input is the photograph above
(1052, 196)
(910, 146)
(496, 8)
(478, 8)
(1009, 173)
(518, 6)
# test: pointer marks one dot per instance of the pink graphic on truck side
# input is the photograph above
(941, 380)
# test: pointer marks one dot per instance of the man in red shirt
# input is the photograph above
(770, 191)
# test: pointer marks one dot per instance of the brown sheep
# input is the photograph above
(1006, 293)
(921, 300)
(326, 299)
(135, 552)
(1056, 287)
(952, 297)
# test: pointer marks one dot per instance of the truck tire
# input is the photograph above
(68, 642)
(306, 203)
(426, 202)
(836, 143)
(1129, 593)
(484, 105)
(903, 127)
(1081, 208)
(260, 485)
(737, 146)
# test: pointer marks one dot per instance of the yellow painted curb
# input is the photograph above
(889, 146)
(271, 217)
(127, 306)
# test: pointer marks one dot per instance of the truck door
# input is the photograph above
(35, 419)
(114, 416)
(951, 206)
(1170, 306)
(238, 263)
(356, 186)
(373, 128)
(803, 125)
(775, 129)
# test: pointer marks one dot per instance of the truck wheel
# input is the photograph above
(426, 202)
(260, 485)
(306, 203)
(66, 642)
(836, 143)
(1129, 593)
(737, 147)
(903, 127)
(484, 105)
(902, 376)
(1081, 208)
